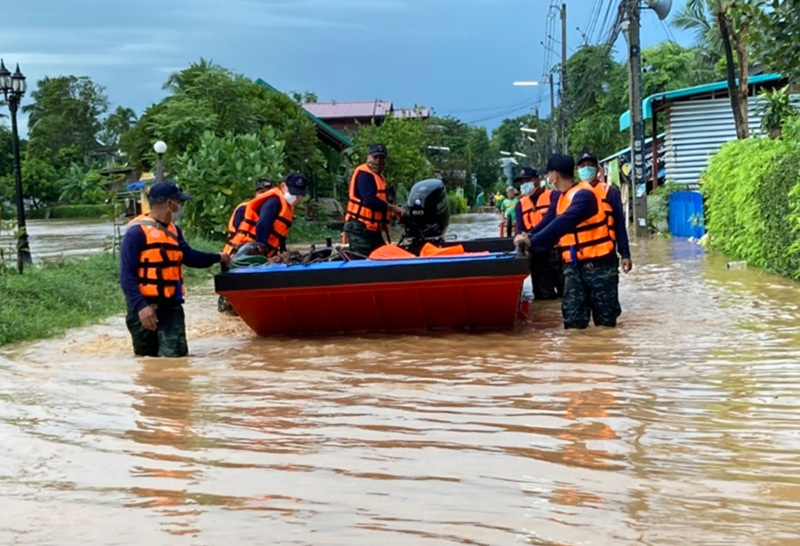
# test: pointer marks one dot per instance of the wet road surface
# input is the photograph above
(682, 426)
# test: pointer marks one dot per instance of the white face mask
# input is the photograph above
(291, 199)
(176, 214)
(526, 188)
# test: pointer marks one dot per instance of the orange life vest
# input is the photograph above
(356, 210)
(532, 213)
(592, 238)
(159, 268)
(602, 189)
(233, 228)
(246, 232)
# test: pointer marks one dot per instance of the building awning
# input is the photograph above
(647, 104)
(330, 136)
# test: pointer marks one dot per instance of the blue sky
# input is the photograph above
(457, 56)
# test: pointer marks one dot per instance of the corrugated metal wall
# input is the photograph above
(696, 130)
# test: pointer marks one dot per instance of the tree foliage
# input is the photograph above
(208, 98)
(221, 172)
(66, 112)
(776, 35)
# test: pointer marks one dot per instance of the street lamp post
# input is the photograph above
(14, 87)
(160, 147)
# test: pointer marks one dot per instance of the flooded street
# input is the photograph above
(681, 426)
(53, 239)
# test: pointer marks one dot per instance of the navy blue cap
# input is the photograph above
(264, 184)
(586, 156)
(165, 191)
(562, 164)
(297, 184)
(378, 149)
(526, 173)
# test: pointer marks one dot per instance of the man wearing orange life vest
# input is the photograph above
(262, 185)
(368, 209)
(268, 217)
(547, 278)
(577, 224)
(152, 254)
(588, 167)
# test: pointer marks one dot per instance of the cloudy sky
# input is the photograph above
(457, 56)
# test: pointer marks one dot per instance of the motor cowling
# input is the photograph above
(427, 212)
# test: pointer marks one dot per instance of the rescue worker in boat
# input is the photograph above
(262, 185)
(268, 217)
(589, 171)
(368, 208)
(152, 255)
(576, 222)
(547, 277)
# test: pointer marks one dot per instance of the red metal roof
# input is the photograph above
(351, 110)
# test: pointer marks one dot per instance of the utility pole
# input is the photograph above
(564, 146)
(554, 136)
(638, 182)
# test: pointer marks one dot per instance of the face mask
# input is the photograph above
(176, 214)
(291, 199)
(587, 173)
(526, 188)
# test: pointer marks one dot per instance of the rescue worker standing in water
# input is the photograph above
(547, 277)
(612, 205)
(152, 254)
(576, 222)
(268, 217)
(368, 209)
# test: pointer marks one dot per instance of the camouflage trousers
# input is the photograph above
(547, 277)
(591, 289)
(361, 240)
(168, 340)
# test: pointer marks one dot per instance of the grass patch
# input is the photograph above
(49, 299)
(71, 211)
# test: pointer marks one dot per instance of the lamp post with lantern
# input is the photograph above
(13, 87)
(160, 148)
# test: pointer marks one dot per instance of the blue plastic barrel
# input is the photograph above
(686, 214)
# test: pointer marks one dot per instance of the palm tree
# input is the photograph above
(178, 81)
(722, 25)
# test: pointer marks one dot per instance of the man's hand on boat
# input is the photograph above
(224, 259)
(522, 240)
(395, 212)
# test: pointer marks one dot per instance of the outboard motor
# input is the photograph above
(427, 214)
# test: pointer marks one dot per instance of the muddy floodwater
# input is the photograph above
(681, 426)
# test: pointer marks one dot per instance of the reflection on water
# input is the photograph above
(679, 427)
(51, 239)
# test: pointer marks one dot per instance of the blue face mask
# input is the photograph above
(587, 173)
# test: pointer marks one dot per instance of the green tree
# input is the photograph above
(776, 35)
(669, 66)
(79, 186)
(207, 97)
(220, 173)
(731, 20)
(119, 122)
(66, 112)
(39, 180)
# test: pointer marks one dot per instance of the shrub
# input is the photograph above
(457, 203)
(752, 192)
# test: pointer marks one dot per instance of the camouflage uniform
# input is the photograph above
(591, 288)
(547, 277)
(361, 240)
(168, 340)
